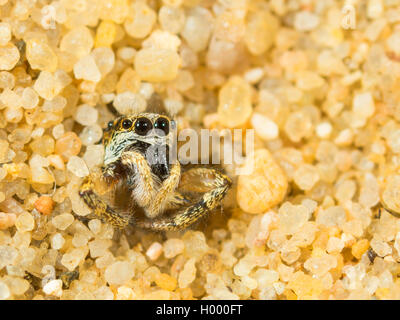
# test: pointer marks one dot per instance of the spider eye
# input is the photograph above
(110, 124)
(126, 124)
(142, 126)
(162, 124)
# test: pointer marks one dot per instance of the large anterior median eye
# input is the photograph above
(142, 126)
(162, 124)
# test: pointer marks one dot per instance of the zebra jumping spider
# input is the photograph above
(154, 186)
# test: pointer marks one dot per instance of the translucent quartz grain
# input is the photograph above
(4, 291)
(57, 241)
(195, 244)
(292, 217)
(78, 41)
(10, 99)
(375, 9)
(173, 247)
(5, 33)
(306, 21)
(129, 103)
(380, 247)
(332, 216)
(93, 155)
(7, 80)
(129, 82)
(104, 293)
(184, 80)
(4, 148)
(58, 131)
(392, 42)
(154, 251)
(94, 225)
(254, 75)
(308, 80)
(264, 187)
(305, 286)
(8, 255)
(171, 18)
(188, 274)
(125, 293)
(62, 221)
(261, 28)
(126, 53)
(40, 175)
(234, 102)
(223, 56)
(91, 134)
(40, 55)
(72, 258)
(329, 63)
(320, 265)
(140, 20)
(104, 59)
(323, 130)
(298, 125)
(105, 34)
(166, 282)
(68, 145)
(77, 166)
(306, 176)
(114, 10)
(393, 141)
(25, 222)
(87, 69)
(53, 287)
(43, 145)
(151, 273)
(336, 245)
(119, 273)
(229, 26)
(105, 260)
(157, 65)
(265, 128)
(163, 40)
(359, 248)
(363, 105)
(47, 85)
(13, 115)
(99, 247)
(9, 56)
(86, 115)
(197, 19)
(369, 192)
(29, 98)
(265, 277)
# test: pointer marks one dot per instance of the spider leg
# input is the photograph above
(168, 186)
(144, 189)
(177, 200)
(100, 208)
(188, 216)
(188, 182)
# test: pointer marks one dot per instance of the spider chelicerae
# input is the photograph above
(153, 186)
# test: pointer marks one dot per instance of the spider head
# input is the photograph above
(144, 129)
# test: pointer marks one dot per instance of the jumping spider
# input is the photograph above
(130, 142)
